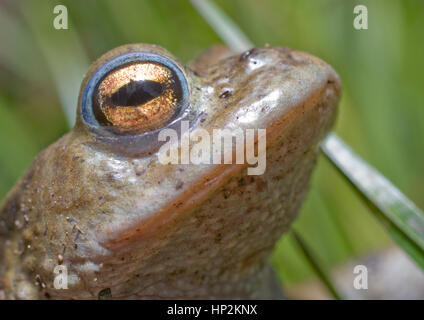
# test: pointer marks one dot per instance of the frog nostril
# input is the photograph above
(225, 94)
(247, 54)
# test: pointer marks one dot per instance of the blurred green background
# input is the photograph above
(381, 111)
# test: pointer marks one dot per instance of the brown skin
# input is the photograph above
(146, 230)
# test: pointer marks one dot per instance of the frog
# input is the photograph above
(119, 224)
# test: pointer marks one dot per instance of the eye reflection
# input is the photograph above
(137, 97)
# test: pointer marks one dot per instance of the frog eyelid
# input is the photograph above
(138, 143)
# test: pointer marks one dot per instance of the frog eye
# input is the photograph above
(135, 93)
(137, 97)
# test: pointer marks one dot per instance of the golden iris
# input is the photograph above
(137, 97)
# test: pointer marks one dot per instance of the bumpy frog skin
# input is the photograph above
(130, 227)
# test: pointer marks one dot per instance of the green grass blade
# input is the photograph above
(227, 30)
(313, 262)
(403, 219)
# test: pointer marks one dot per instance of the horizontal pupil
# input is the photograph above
(136, 93)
